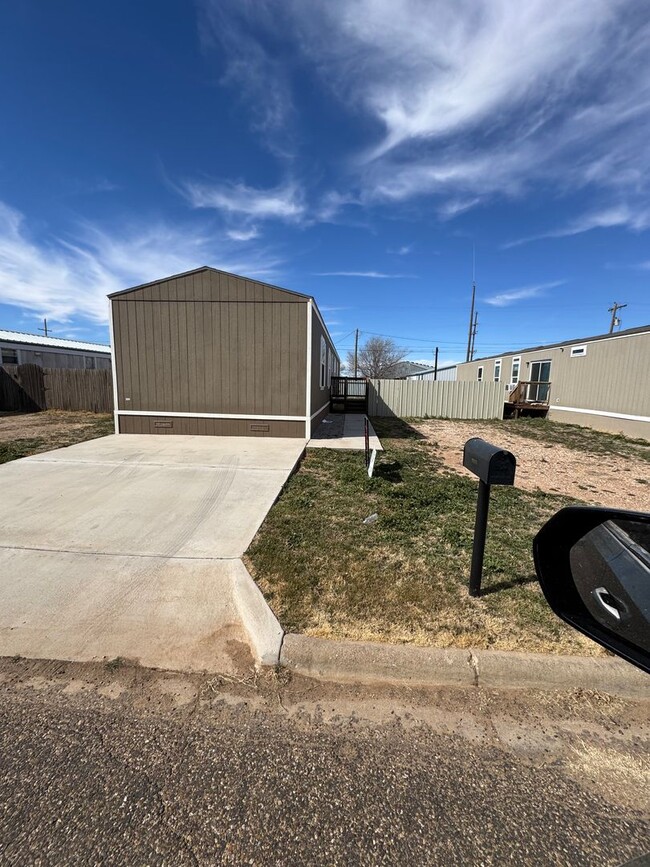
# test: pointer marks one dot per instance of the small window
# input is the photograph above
(497, 370)
(323, 363)
(90, 362)
(9, 356)
(577, 351)
(516, 365)
(479, 374)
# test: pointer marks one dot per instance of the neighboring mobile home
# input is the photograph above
(207, 352)
(440, 374)
(601, 382)
(17, 347)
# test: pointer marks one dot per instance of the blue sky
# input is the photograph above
(356, 150)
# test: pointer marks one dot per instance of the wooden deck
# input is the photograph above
(528, 398)
(348, 394)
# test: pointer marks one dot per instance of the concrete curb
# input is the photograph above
(261, 624)
(403, 665)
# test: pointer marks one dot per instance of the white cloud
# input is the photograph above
(66, 277)
(404, 250)
(284, 202)
(243, 234)
(472, 99)
(607, 218)
(504, 299)
(378, 275)
(258, 77)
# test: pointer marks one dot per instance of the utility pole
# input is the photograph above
(471, 325)
(44, 329)
(356, 351)
(473, 336)
(435, 365)
(613, 310)
(471, 311)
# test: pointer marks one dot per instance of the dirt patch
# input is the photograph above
(23, 434)
(616, 481)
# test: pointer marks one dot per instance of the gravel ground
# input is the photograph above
(615, 481)
(127, 766)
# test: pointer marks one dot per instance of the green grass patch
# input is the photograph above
(404, 577)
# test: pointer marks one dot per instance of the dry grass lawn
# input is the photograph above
(23, 434)
(404, 577)
(600, 469)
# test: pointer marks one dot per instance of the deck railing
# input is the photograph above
(531, 392)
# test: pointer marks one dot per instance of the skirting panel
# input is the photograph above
(215, 427)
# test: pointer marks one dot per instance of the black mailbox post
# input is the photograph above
(493, 466)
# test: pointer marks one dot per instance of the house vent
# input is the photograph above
(260, 427)
(163, 424)
(577, 351)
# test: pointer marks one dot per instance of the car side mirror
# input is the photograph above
(593, 566)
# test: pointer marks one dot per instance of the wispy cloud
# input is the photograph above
(607, 218)
(473, 99)
(404, 250)
(284, 202)
(65, 277)
(256, 75)
(243, 234)
(511, 296)
(377, 275)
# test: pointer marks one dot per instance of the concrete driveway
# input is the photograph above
(130, 546)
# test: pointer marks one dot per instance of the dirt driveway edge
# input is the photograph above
(369, 662)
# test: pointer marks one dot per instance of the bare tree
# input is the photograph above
(375, 358)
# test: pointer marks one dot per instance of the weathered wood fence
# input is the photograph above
(417, 398)
(30, 388)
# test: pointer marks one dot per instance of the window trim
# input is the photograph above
(323, 363)
(515, 360)
(498, 365)
(479, 373)
(578, 351)
(6, 350)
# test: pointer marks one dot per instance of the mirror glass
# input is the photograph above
(610, 567)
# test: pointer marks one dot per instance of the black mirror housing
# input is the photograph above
(593, 566)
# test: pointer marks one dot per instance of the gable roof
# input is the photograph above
(201, 270)
(53, 342)
(402, 369)
(208, 268)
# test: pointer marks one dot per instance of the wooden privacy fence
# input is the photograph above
(30, 388)
(417, 398)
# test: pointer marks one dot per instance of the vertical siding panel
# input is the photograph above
(134, 385)
(183, 357)
(147, 356)
(226, 372)
(164, 359)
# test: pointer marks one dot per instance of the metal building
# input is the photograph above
(17, 347)
(212, 353)
(601, 382)
(439, 374)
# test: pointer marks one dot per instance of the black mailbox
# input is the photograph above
(492, 465)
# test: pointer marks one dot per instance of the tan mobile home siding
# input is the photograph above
(210, 342)
(612, 377)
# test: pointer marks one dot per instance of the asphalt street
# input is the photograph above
(107, 764)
